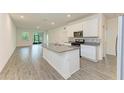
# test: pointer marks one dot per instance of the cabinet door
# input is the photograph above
(73, 28)
(69, 31)
(90, 27)
(89, 52)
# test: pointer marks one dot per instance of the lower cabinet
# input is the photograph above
(89, 52)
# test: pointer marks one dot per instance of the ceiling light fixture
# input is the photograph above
(21, 17)
(68, 15)
(53, 23)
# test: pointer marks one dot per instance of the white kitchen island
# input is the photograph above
(65, 59)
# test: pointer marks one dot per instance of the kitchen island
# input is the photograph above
(65, 59)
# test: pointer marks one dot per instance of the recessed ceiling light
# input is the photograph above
(53, 23)
(68, 15)
(21, 17)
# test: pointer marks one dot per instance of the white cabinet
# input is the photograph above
(73, 28)
(66, 63)
(89, 52)
(90, 27)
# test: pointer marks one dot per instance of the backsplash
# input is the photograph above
(87, 39)
(71, 39)
(92, 39)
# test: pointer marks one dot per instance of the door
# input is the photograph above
(37, 38)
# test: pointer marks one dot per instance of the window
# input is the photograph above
(25, 36)
(37, 38)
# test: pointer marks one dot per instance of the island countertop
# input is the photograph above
(59, 47)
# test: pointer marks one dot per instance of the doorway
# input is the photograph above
(37, 37)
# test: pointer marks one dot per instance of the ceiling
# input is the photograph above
(45, 21)
(111, 15)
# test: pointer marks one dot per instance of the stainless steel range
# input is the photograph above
(77, 43)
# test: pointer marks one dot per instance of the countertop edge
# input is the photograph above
(76, 48)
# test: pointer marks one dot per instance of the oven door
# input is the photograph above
(77, 45)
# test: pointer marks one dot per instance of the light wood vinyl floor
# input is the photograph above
(27, 64)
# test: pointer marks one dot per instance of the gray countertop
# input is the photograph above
(59, 48)
(88, 43)
(91, 44)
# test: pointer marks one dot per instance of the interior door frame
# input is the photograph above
(120, 49)
(38, 38)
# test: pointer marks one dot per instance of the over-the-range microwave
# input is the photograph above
(78, 34)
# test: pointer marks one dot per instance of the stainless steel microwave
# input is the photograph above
(78, 34)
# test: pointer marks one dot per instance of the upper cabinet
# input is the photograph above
(90, 27)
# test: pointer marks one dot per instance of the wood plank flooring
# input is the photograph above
(27, 64)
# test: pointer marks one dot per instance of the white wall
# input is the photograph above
(21, 42)
(111, 34)
(7, 39)
(101, 48)
(45, 37)
(57, 35)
